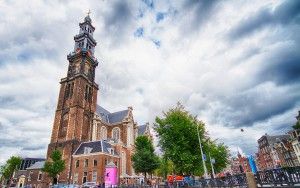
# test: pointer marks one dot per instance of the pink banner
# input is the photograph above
(111, 176)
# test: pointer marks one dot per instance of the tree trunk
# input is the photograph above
(54, 181)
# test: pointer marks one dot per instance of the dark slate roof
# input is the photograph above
(117, 116)
(37, 165)
(96, 146)
(142, 129)
(111, 117)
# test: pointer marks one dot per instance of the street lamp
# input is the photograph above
(202, 156)
(212, 165)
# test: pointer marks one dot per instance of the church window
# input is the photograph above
(84, 179)
(95, 162)
(64, 125)
(85, 127)
(116, 134)
(90, 94)
(123, 167)
(29, 175)
(94, 177)
(86, 92)
(67, 90)
(75, 178)
(129, 135)
(71, 89)
(86, 163)
(103, 133)
(77, 164)
(86, 69)
(40, 176)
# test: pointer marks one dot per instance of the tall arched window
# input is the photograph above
(103, 133)
(64, 125)
(129, 135)
(123, 158)
(116, 134)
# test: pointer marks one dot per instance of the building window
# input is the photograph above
(64, 125)
(116, 134)
(111, 151)
(106, 161)
(94, 177)
(29, 175)
(87, 150)
(40, 176)
(84, 178)
(103, 133)
(90, 94)
(67, 90)
(95, 162)
(77, 164)
(123, 163)
(86, 92)
(86, 163)
(129, 135)
(71, 89)
(75, 179)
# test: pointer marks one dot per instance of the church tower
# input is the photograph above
(77, 98)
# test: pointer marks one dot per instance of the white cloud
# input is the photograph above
(215, 77)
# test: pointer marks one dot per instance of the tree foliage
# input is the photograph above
(166, 167)
(178, 139)
(54, 167)
(296, 126)
(144, 159)
(11, 165)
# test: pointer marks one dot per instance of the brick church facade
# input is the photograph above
(88, 135)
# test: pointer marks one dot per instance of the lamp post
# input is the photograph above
(202, 156)
(212, 165)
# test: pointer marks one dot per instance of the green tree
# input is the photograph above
(144, 159)
(166, 167)
(297, 125)
(178, 138)
(11, 165)
(54, 167)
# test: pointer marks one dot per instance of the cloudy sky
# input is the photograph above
(234, 64)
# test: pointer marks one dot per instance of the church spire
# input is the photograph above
(84, 40)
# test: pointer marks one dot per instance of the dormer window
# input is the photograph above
(87, 150)
(111, 151)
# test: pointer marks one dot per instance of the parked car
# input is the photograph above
(89, 185)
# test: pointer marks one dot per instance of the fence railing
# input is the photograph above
(238, 180)
(288, 176)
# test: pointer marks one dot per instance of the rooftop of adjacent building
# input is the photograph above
(273, 139)
(99, 146)
(37, 165)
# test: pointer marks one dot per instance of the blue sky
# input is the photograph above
(234, 64)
